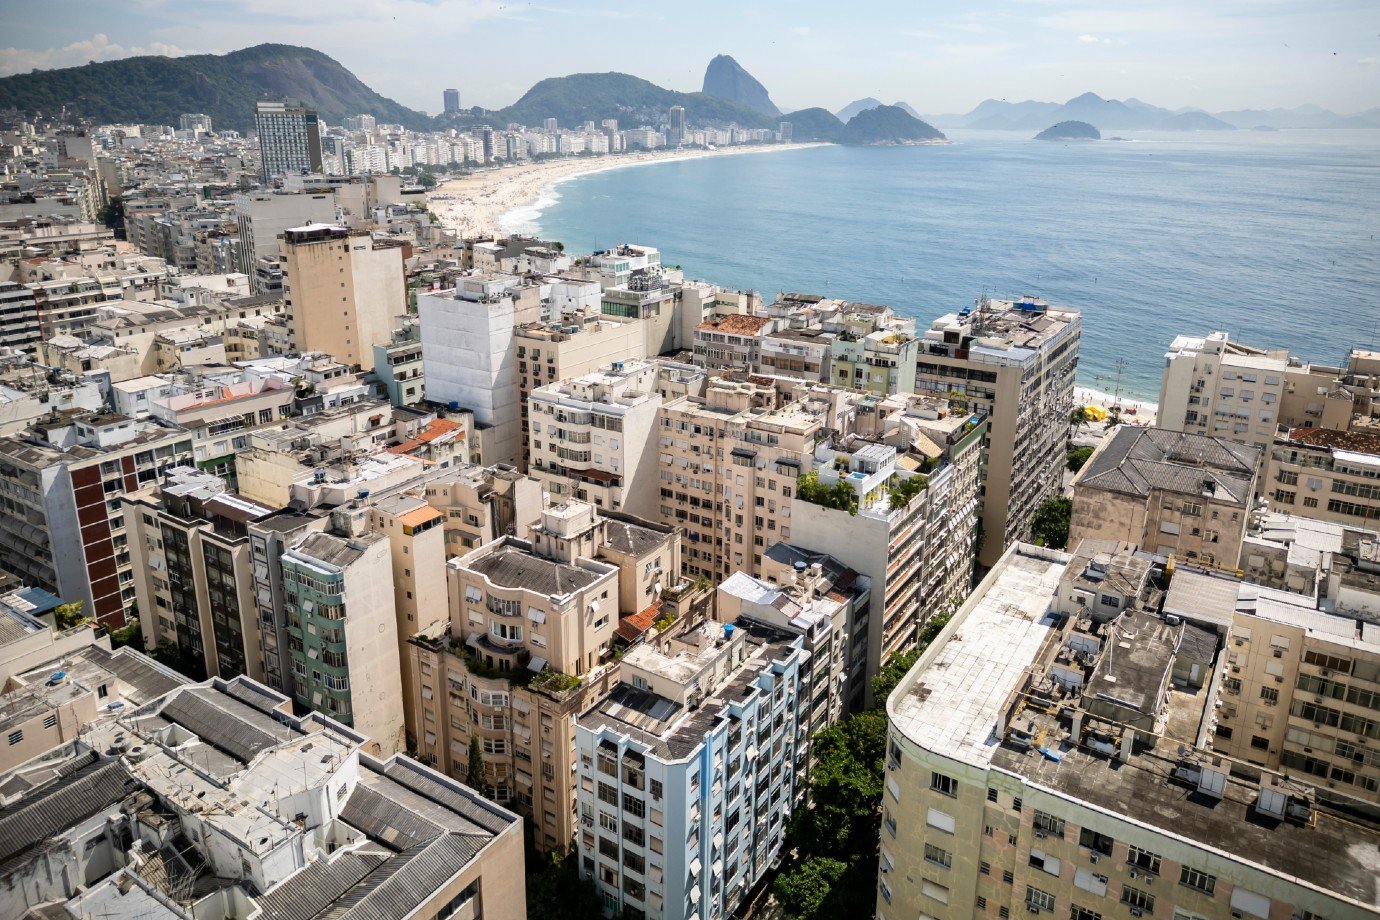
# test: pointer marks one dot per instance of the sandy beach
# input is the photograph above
(1144, 410)
(483, 204)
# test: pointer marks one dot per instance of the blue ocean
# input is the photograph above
(1274, 237)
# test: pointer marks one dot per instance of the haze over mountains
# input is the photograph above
(154, 89)
(1135, 115)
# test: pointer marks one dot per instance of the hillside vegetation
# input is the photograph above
(156, 90)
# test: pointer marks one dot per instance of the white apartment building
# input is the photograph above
(592, 437)
(263, 216)
(689, 770)
(468, 357)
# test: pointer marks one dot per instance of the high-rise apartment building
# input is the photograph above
(451, 101)
(289, 138)
(675, 132)
(342, 632)
(262, 217)
(593, 437)
(1214, 386)
(189, 544)
(533, 629)
(912, 533)
(1300, 684)
(196, 122)
(1045, 760)
(342, 290)
(469, 358)
(689, 769)
(1013, 361)
(62, 525)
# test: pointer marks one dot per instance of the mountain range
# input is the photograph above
(1135, 115)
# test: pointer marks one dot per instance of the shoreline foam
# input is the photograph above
(508, 198)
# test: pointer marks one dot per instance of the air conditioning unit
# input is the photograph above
(1137, 912)
(1092, 858)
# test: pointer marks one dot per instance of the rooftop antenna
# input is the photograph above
(984, 307)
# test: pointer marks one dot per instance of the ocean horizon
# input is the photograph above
(1269, 236)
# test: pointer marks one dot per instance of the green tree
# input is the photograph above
(805, 891)
(1078, 416)
(112, 214)
(474, 775)
(554, 889)
(1077, 457)
(65, 616)
(886, 679)
(838, 496)
(1050, 526)
(130, 634)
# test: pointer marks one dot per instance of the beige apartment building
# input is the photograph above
(1300, 686)
(482, 504)
(592, 437)
(1172, 492)
(1326, 474)
(1013, 361)
(1214, 386)
(531, 641)
(728, 461)
(572, 346)
(1035, 766)
(342, 290)
(193, 575)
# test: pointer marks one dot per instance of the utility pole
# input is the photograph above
(1120, 367)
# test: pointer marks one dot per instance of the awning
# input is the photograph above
(536, 664)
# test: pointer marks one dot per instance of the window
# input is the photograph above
(944, 785)
(1098, 843)
(16, 736)
(985, 868)
(1137, 899)
(50, 722)
(1048, 824)
(981, 903)
(1270, 695)
(608, 794)
(1197, 880)
(1082, 913)
(937, 856)
(1016, 805)
(656, 788)
(1007, 877)
(1040, 900)
(607, 821)
(633, 806)
(1259, 743)
(1144, 859)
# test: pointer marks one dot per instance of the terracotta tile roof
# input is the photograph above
(1362, 442)
(632, 626)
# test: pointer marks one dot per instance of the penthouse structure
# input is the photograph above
(1013, 361)
(214, 798)
(690, 768)
(1173, 492)
(1042, 761)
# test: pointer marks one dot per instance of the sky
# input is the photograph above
(936, 56)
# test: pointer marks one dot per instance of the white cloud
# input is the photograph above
(801, 30)
(1089, 39)
(1368, 60)
(98, 47)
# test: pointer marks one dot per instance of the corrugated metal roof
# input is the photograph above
(230, 725)
(396, 887)
(309, 893)
(32, 820)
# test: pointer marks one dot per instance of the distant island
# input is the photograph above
(1070, 131)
